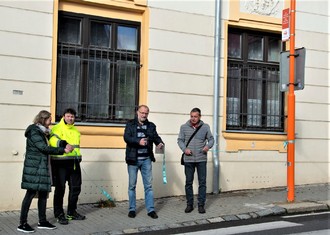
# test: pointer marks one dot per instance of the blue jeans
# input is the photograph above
(189, 170)
(146, 171)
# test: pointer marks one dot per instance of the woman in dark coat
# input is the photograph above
(36, 172)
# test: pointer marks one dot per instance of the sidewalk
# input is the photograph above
(221, 207)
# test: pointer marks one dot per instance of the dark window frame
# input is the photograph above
(117, 60)
(248, 109)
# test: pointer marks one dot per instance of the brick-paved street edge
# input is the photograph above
(289, 208)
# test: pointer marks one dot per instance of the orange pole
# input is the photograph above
(291, 107)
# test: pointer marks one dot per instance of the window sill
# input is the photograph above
(236, 141)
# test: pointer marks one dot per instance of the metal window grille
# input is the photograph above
(101, 84)
(98, 67)
(254, 100)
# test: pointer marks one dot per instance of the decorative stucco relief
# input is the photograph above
(262, 7)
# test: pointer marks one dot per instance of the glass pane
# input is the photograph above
(127, 38)
(233, 96)
(233, 111)
(273, 99)
(254, 112)
(274, 49)
(234, 45)
(126, 89)
(69, 30)
(68, 83)
(255, 48)
(254, 95)
(100, 35)
(234, 82)
(98, 88)
(254, 86)
(273, 115)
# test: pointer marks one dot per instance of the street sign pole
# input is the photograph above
(291, 109)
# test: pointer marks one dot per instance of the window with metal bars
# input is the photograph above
(98, 67)
(254, 100)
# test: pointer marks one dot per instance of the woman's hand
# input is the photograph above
(68, 148)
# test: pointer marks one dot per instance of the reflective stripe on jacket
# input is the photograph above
(68, 133)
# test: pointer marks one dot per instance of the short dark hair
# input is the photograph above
(196, 110)
(70, 110)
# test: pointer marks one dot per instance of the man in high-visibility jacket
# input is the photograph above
(66, 167)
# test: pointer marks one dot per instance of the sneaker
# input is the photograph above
(131, 214)
(201, 209)
(46, 225)
(25, 228)
(75, 216)
(189, 209)
(61, 219)
(153, 214)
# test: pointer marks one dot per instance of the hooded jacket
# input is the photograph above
(132, 141)
(63, 134)
(36, 175)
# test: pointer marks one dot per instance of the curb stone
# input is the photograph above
(216, 220)
(265, 212)
(244, 216)
(277, 210)
(300, 207)
(230, 217)
(175, 225)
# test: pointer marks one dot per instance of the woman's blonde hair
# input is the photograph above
(41, 117)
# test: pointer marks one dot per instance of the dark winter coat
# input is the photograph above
(132, 141)
(36, 175)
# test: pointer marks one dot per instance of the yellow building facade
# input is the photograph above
(174, 64)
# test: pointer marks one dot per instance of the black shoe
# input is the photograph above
(189, 209)
(46, 225)
(25, 228)
(61, 219)
(75, 216)
(131, 214)
(153, 214)
(201, 209)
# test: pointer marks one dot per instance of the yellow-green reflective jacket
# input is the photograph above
(70, 134)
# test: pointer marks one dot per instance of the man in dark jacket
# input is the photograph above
(140, 135)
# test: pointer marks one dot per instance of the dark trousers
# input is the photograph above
(42, 202)
(189, 169)
(63, 173)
